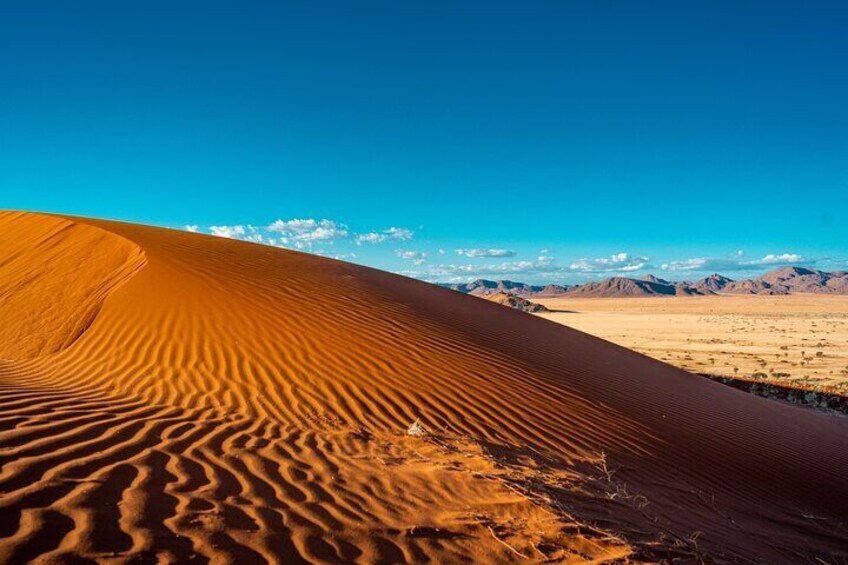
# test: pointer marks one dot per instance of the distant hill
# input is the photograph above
(786, 280)
(790, 280)
(515, 302)
(483, 287)
(623, 286)
(655, 279)
(713, 283)
(552, 290)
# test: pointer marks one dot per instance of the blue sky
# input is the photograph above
(548, 141)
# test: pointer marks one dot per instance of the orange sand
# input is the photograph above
(174, 397)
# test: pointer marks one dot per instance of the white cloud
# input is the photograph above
(462, 273)
(304, 233)
(242, 232)
(479, 253)
(231, 232)
(782, 259)
(417, 257)
(339, 256)
(718, 264)
(544, 269)
(693, 264)
(617, 263)
(390, 234)
(701, 264)
(371, 237)
(545, 259)
(296, 234)
(400, 234)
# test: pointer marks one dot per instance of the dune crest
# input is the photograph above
(54, 276)
(240, 403)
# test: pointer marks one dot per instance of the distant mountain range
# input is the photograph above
(787, 280)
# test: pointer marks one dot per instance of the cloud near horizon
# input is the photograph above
(481, 253)
(317, 236)
(544, 264)
(783, 259)
(417, 257)
(390, 234)
(305, 234)
(230, 232)
(545, 268)
(617, 263)
(736, 264)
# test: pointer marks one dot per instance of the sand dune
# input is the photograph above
(173, 397)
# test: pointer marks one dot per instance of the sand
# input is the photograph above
(797, 340)
(190, 399)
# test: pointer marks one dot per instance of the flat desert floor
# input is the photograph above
(789, 340)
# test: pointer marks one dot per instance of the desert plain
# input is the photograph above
(793, 340)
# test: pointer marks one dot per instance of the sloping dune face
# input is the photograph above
(54, 276)
(226, 402)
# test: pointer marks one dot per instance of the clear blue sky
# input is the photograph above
(674, 132)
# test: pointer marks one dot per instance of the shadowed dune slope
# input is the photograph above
(178, 397)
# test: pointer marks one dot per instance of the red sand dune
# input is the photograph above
(174, 397)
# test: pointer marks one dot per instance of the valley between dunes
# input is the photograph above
(178, 398)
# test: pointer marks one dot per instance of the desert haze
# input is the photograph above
(175, 397)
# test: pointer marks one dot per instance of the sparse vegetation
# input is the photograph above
(768, 341)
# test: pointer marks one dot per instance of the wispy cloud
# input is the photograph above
(230, 232)
(307, 234)
(417, 257)
(449, 272)
(617, 263)
(737, 263)
(340, 256)
(243, 232)
(700, 264)
(782, 259)
(321, 236)
(544, 267)
(390, 234)
(479, 253)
